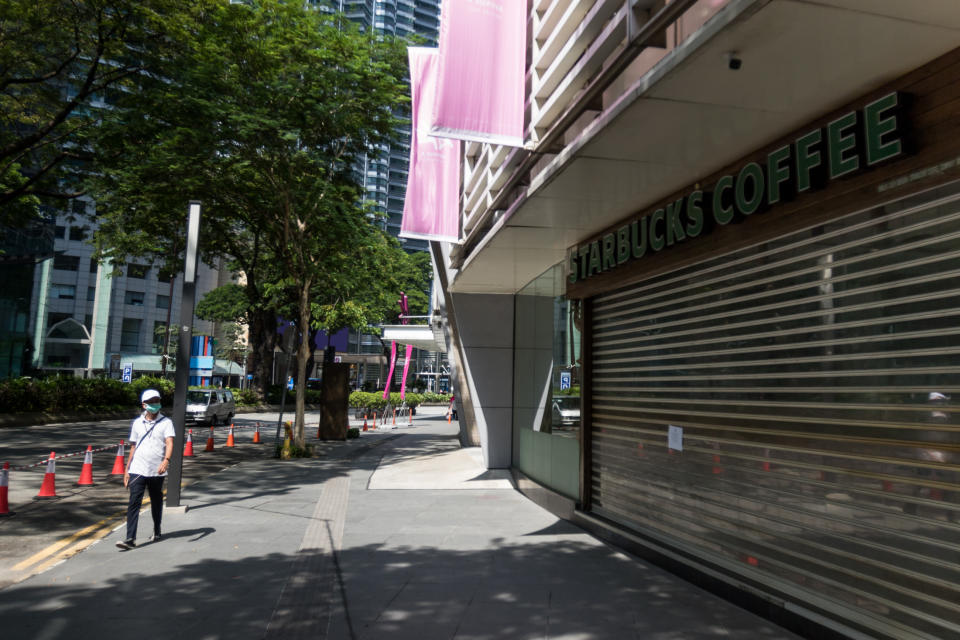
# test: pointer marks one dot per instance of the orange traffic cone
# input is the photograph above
(410, 414)
(4, 487)
(49, 487)
(256, 435)
(86, 472)
(210, 441)
(365, 422)
(230, 442)
(188, 445)
(118, 466)
(394, 417)
(374, 420)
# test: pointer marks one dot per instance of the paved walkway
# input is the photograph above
(400, 535)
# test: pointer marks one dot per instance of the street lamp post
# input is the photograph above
(182, 378)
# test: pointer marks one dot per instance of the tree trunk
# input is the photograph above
(303, 355)
(263, 334)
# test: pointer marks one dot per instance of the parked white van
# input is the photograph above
(210, 406)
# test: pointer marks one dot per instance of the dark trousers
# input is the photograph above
(154, 486)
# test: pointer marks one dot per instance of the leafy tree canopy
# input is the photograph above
(61, 61)
(261, 115)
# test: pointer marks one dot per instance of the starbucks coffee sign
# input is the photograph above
(849, 144)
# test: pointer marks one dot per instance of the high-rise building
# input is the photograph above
(385, 175)
(384, 171)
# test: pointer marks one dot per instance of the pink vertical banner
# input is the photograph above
(393, 363)
(431, 207)
(483, 48)
(406, 368)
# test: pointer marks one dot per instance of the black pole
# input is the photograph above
(182, 376)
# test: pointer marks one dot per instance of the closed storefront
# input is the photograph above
(772, 390)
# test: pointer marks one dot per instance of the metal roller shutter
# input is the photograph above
(816, 379)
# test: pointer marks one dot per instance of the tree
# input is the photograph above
(262, 116)
(61, 61)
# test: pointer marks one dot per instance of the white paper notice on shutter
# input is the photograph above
(675, 438)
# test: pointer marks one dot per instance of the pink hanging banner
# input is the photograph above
(393, 363)
(431, 207)
(482, 64)
(406, 368)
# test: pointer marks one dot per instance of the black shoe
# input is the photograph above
(156, 537)
(126, 545)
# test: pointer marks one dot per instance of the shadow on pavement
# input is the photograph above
(565, 589)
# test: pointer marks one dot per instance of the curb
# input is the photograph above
(28, 419)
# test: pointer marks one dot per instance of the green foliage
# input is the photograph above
(228, 303)
(164, 386)
(247, 397)
(261, 115)
(59, 60)
(574, 390)
(367, 401)
(353, 432)
(436, 398)
(64, 394)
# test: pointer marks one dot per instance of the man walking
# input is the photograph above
(151, 446)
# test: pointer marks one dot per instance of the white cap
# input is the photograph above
(149, 394)
(936, 395)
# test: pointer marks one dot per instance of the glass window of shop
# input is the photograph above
(546, 405)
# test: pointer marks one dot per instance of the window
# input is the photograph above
(130, 334)
(91, 294)
(78, 233)
(163, 302)
(66, 263)
(164, 276)
(134, 298)
(137, 271)
(88, 322)
(63, 291)
(93, 265)
(59, 232)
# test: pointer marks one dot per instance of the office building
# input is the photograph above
(731, 236)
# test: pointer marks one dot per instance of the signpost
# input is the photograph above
(182, 380)
(127, 375)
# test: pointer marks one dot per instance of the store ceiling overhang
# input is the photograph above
(692, 115)
(420, 336)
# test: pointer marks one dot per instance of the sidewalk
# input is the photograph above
(400, 535)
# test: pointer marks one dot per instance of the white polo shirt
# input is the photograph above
(151, 444)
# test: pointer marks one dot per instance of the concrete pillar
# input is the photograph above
(485, 325)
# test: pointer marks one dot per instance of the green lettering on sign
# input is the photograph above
(809, 160)
(674, 226)
(623, 244)
(749, 193)
(881, 120)
(722, 213)
(842, 142)
(657, 240)
(609, 252)
(778, 175)
(595, 266)
(638, 238)
(695, 214)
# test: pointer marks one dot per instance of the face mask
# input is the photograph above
(153, 408)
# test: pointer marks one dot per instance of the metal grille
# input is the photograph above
(816, 381)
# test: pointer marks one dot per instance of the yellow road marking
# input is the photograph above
(75, 549)
(95, 532)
